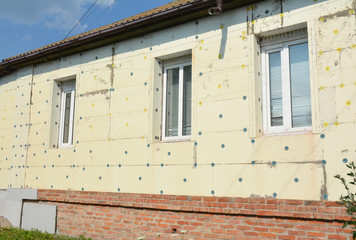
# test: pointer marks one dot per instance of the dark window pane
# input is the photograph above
(67, 105)
(172, 96)
(275, 78)
(187, 100)
(300, 85)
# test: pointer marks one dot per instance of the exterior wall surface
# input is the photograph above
(147, 216)
(117, 122)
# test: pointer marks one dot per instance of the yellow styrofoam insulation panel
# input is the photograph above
(118, 108)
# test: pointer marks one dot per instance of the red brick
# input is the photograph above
(234, 232)
(182, 198)
(341, 217)
(252, 206)
(235, 205)
(220, 205)
(302, 215)
(265, 213)
(294, 202)
(305, 227)
(267, 224)
(313, 203)
(299, 233)
(286, 237)
(218, 230)
(316, 234)
(211, 235)
(210, 199)
(226, 226)
(323, 216)
(270, 206)
(287, 208)
(332, 210)
(162, 225)
(277, 230)
(196, 233)
(307, 209)
(257, 200)
(268, 235)
(197, 223)
(223, 199)
(332, 204)
(260, 229)
(243, 227)
(282, 214)
(337, 237)
(218, 220)
(251, 233)
(171, 221)
(101, 222)
(251, 222)
(196, 198)
(271, 201)
(207, 204)
(183, 222)
(248, 212)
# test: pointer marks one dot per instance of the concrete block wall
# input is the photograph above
(17, 206)
(39, 216)
(118, 103)
(11, 201)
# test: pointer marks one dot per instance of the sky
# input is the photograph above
(29, 24)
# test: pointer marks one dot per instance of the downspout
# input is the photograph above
(218, 9)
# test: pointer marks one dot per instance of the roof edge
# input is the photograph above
(150, 23)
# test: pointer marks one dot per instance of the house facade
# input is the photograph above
(177, 124)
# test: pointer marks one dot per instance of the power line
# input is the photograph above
(91, 13)
(80, 20)
(101, 14)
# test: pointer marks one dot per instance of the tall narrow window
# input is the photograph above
(66, 114)
(177, 101)
(287, 101)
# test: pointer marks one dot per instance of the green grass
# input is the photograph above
(20, 234)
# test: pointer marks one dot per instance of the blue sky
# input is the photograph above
(30, 24)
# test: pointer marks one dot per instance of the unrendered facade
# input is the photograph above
(255, 102)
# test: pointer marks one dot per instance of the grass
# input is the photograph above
(20, 234)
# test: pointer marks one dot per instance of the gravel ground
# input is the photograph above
(4, 222)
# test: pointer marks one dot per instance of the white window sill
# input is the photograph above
(65, 146)
(178, 139)
(286, 133)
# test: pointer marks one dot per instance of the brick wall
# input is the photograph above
(147, 216)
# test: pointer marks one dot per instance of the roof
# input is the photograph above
(165, 7)
(168, 15)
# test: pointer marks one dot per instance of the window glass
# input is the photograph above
(276, 100)
(172, 104)
(300, 87)
(66, 121)
(286, 86)
(67, 105)
(187, 99)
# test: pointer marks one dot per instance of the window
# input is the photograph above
(66, 114)
(286, 87)
(177, 101)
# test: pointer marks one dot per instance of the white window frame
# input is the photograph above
(66, 88)
(180, 103)
(283, 47)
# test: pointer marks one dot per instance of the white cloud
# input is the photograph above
(26, 37)
(57, 14)
(106, 3)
